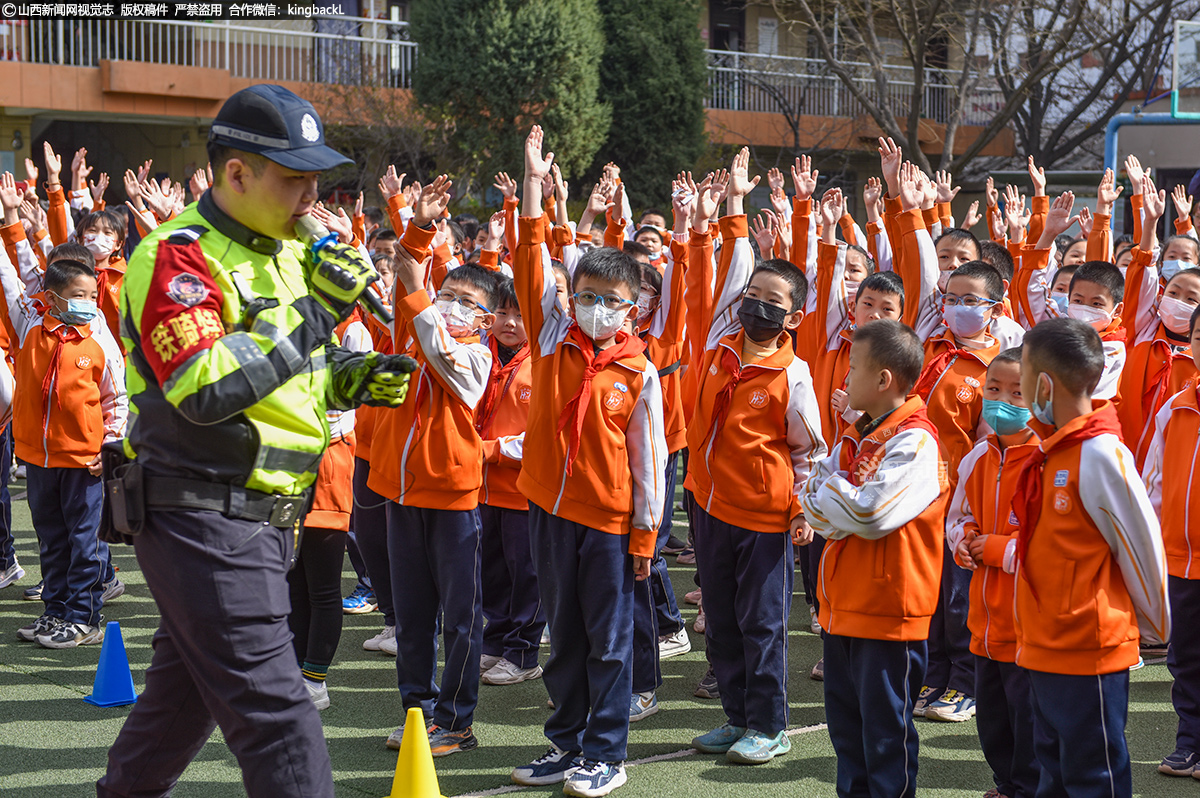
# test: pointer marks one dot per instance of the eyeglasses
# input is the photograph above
(611, 301)
(969, 301)
(466, 302)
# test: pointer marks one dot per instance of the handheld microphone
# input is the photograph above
(315, 234)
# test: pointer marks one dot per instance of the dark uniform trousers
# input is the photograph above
(222, 656)
(1004, 718)
(1183, 659)
(655, 612)
(511, 603)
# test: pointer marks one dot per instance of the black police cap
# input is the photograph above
(277, 124)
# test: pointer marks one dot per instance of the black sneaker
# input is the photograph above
(1180, 763)
(673, 545)
(33, 593)
(708, 686)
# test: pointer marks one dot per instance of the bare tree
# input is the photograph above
(1011, 48)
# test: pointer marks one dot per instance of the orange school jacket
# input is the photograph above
(825, 342)
(1093, 571)
(501, 418)
(982, 505)
(879, 500)
(1173, 481)
(753, 448)
(698, 296)
(1156, 366)
(952, 387)
(664, 344)
(615, 483)
(426, 453)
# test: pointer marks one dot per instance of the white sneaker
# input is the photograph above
(374, 643)
(113, 588)
(813, 624)
(505, 672)
(11, 574)
(674, 645)
(545, 641)
(318, 693)
(388, 646)
(487, 662)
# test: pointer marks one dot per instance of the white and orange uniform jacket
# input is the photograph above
(1176, 446)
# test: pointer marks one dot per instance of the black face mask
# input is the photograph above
(762, 322)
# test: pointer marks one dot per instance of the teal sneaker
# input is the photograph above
(755, 748)
(719, 740)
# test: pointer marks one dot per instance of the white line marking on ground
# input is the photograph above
(648, 760)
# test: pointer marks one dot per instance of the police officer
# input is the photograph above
(228, 323)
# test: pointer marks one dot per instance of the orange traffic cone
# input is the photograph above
(415, 776)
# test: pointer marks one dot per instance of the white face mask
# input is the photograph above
(100, 244)
(455, 315)
(944, 280)
(598, 322)
(645, 305)
(852, 289)
(1176, 315)
(1097, 317)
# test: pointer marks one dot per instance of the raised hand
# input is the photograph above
(537, 164)
(1014, 212)
(683, 199)
(804, 177)
(133, 190)
(944, 184)
(495, 232)
(53, 165)
(391, 183)
(1086, 220)
(98, 187)
(559, 185)
(740, 183)
(872, 193)
(198, 183)
(358, 206)
(433, 201)
(1059, 219)
(992, 193)
(708, 198)
(1182, 200)
(833, 206)
(1133, 168)
(909, 187)
(598, 201)
(1154, 202)
(764, 234)
(10, 197)
(79, 169)
(1108, 191)
(973, 218)
(1038, 176)
(890, 159)
(505, 185)
(928, 189)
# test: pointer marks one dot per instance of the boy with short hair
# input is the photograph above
(981, 530)
(70, 399)
(595, 492)
(755, 435)
(1090, 566)
(879, 499)
(426, 457)
(511, 603)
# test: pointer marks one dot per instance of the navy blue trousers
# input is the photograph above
(747, 578)
(870, 687)
(1183, 659)
(369, 525)
(222, 655)
(586, 580)
(435, 557)
(1004, 720)
(65, 504)
(511, 603)
(8, 552)
(655, 612)
(1079, 734)
(951, 663)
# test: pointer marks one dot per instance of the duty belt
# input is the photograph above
(233, 501)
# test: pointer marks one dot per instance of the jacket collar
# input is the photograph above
(229, 227)
(1051, 436)
(887, 429)
(778, 360)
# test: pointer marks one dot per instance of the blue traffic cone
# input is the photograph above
(114, 681)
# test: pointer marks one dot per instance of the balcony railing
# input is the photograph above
(366, 52)
(807, 87)
(341, 50)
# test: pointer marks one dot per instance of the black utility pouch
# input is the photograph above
(124, 512)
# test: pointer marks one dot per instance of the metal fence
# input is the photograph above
(343, 50)
(807, 87)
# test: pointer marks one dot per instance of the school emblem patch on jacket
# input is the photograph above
(83, 361)
(187, 290)
(614, 399)
(758, 398)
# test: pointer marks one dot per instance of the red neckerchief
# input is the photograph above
(1157, 386)
(574, 411)
(1103, 419)
(62, 334)
(1114, 332)
(934, 370)
(732, 365)
(497, 381)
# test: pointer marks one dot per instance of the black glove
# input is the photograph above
(337, 275)
(367, 378)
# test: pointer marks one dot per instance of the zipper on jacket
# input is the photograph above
(408, 445)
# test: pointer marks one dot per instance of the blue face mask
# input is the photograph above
(1061, 298)
(79, 312)
(1044, 412)
(1005, 418)
(1170, 268)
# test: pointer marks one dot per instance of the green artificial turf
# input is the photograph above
(53, 745)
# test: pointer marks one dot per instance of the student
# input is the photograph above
(511, 603)
(58, 437)
(1158, 356)
(879, 499)
(595, 492)
(1176, 444)
(1090, 567)
(981, 531)
(433, 523)
(756, 425)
